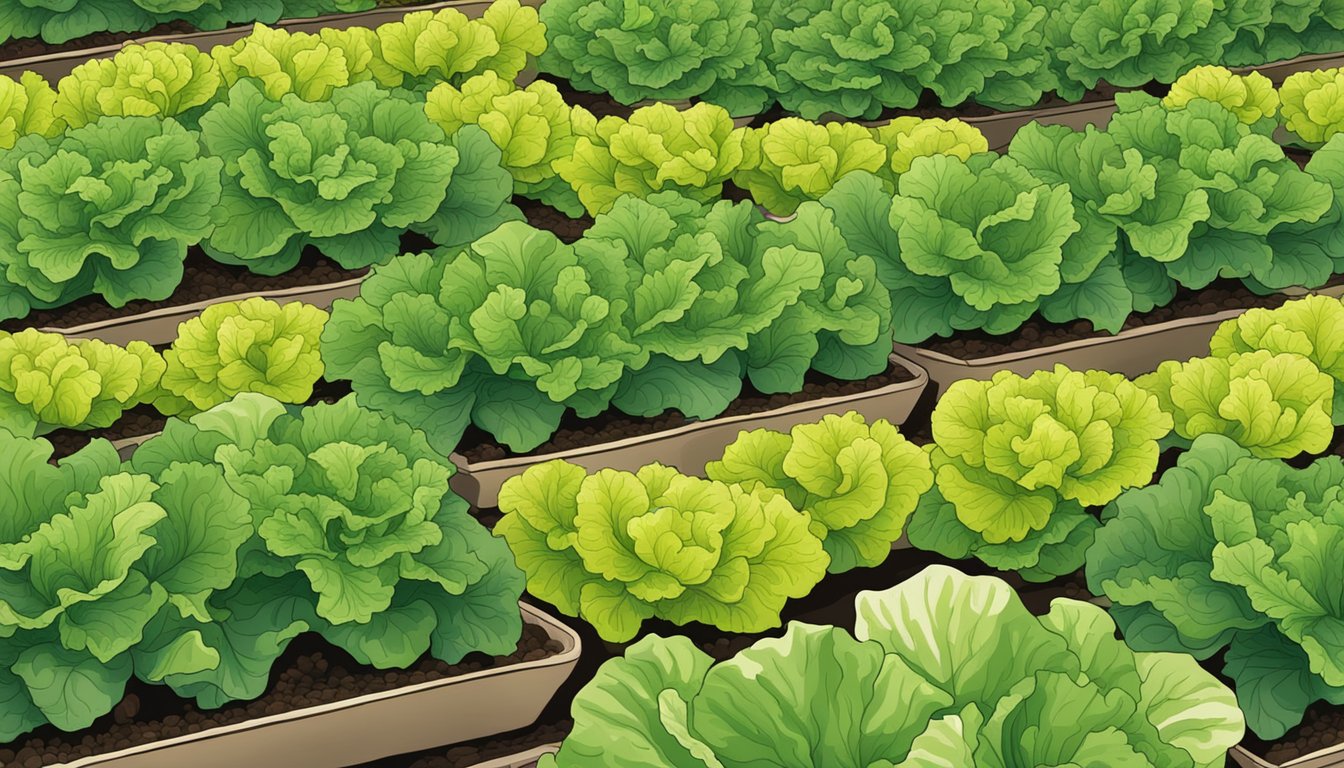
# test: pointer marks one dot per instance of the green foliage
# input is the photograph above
(279, 62)
(348, 175)
(1312, 105)
(1250, 97)
(1276, 405)
(1019, 460)
(943, 669)
(859, 482)
(49, 383)
(426, 48)
(790, 161)
(692, 151)
(57, 21)
(660, 49)
(906, 138)
(106, 209)
(616, 548)
(27, 105)
(150, 80)
(505, 334)
(532, 127)
(962, 245)
(1234, 552)
(1312, 327)
(255, 345)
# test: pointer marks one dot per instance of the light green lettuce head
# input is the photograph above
(615, 548)
(1018, 460)
(859, 482)
(1312, 105)
(982, 682)
(27, 105)
(791, 161)
(255, 345)
(1276, 405)
(153, 80)
(1251, 97)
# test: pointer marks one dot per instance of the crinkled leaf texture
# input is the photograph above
(981, 682)
(615, 548)
(1229, 551)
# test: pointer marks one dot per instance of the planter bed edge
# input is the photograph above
(373, 726)
(526, 759)
(688, 447)
(1330, 757)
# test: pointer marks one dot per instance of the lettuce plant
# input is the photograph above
(310, 66)
(615, 548)
(718, 294)
(1252, 187)
(426, 48)
(49, 383)
(856, 57)
(659, 148)
(27, 105)
(358, 537)
(790, 161)
(255, 345)
(152, 80)
(506, 334)
(906, 138)
(1229, 551)
(1019, 460)
(943, 669)
(660, 49)
(1251, 97)
(1312, 327)
(348, 176)
(1123, 203)
(1276, 405)
(87, 563)
(964, 244)
(106, 209)
(532, 127)
(1311, 105)
(859, 482)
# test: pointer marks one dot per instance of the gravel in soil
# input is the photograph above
(477, 445)
(545, 217)
(1037, 333)
(203, 279)
(310, 673)
(1321, 727)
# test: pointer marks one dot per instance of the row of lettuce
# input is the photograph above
(240, 528)
(857, 58)
(56, 21)
(1091, 224)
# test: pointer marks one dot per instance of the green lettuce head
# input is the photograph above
(1018, 461)
(255, 345)
(616, 548)
(27, 105)
(1275, 405)
(1251, 97)
(1312, 327)
(426, 48)
(506, 334)
(153, 80)
(790, 161)
(49, 383)
(106, 209)
(964, 244)
(348, 175)
(978, 682)
(1311, 105)
(1229, 552)
(658, 148)
(859, 482)
(660, 49)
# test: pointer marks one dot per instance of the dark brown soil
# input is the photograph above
(310, 673)
(1037, 333)
(1322, 726)
(545, 217)
(203, 279)
(478, 445)
(31, 46)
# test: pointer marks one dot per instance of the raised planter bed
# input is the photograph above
(1179, 331)
(368, 727)
(1317, 743)
(527, 759)
(689, 444)
(56, 65)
